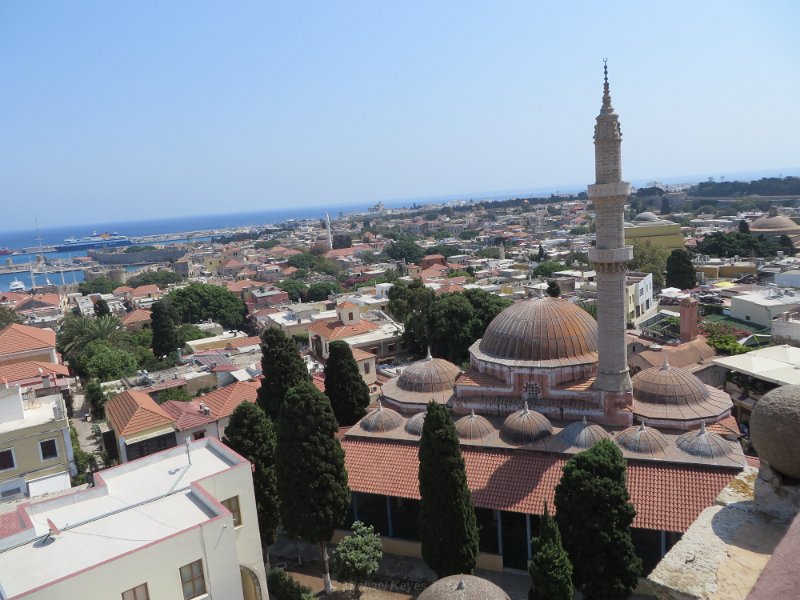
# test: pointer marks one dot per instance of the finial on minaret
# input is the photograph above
(607, 108)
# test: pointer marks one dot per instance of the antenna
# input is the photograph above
(188, 442)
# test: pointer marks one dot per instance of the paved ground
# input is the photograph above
(86, 438)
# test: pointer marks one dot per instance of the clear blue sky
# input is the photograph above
(121, 110)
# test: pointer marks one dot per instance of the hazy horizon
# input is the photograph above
(119, 112)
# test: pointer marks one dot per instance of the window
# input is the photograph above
(137, 593)
(48, 449)
(366, 368)
(532, 391)
(16, 491)
(7, 459)
(349, 316)
(192, 580)
(232, 504)
(199, 435)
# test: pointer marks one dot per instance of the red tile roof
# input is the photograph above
(138, 315)
(223, 401)
(318, 379)
(132, 412)
(31, 369)
(11, 523)
(360, 354)
(145, 290)
(336, 330)
(347, 305)
(243, 342)
(187, 415)
(667, 497)
(21, 338)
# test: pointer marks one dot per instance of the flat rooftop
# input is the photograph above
(36, 412)
(131, 506)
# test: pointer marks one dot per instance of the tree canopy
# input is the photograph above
(728, 245)
(547, 268)
(594, 515)
(98, 285)
(322, 291)
(101, 308)
(405, 249)
(8, 317)
(251, 433)
(160, 278)
(344, 386)
(649, 258)
(550, 569)
(342, 240)
(283, 368)
(165, 337)
(680, 270)
(358, 556)
(447, 525)
(200, 301)
(297, 290)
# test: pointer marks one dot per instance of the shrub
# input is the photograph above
(282, 586)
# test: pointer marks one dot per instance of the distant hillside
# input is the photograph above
(767, 186)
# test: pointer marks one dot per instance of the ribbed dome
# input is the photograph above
(673, 394)
(776, 224)
(463, 587)
(643, 440)
(525, 427)
(541, 329)
(473, 427)
(428, 376)
(646, 216)
(707, 444)
(415, 423)
(583, 434)
(381, 420)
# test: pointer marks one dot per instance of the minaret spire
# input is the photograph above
(606, 108)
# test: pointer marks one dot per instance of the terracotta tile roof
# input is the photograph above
(243, 342)
(474, 378)
(132, 412)
(449, 288)
(347, 305)
(223, 401)
(340, 252)
(336, 330)
(360, 354)
(145, 290)
(122, 290)
(726, 427)
(667, 497)
(31, 369)
(289, 271)
(240, 286)
(187, 415)
(138, 315)
(21, 338)
(11, 523)
(38, 301)
(318, 379)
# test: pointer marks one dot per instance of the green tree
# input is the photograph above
(342, 240)
(447, 526)
(547, 268)
(553, 289)
(302, 261)
(177, 393)
(187, 333)
(77, 332)
(728, 245)
(160, 278)
(101, 309)
(487, 306)
(594, 514)
(8, 317)
(405, 249)
(358, 556)
(549, 568)
(84, 461)
(251, 433)
(200, 301)
(322, 291)
(296, 289)
(106, 363)
(744, 226)
(410, 304)
(165, 336)
(541, 256)
(312, 480)
(96, 396)
(786, 244)
(283, 368)
(680, 270)
(450, 327)
(98, 285)
(665, 206)
(344, 386)
(649, 258)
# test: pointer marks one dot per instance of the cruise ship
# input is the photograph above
(96, 240)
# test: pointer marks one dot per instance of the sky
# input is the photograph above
(132, 110)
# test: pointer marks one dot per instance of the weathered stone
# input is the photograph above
(775, 429)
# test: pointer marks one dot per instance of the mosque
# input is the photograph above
(546, 381)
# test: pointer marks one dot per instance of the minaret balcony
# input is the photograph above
(614, 255)
(600, 190)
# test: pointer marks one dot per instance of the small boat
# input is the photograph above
(16, 286)
(5, 251)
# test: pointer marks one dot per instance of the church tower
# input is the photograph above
(610, 255)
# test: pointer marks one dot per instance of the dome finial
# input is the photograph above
(665, 364)
(429, 357)
(525, 407)
(461, 585)
(583, 420)
(703, 426)
(472, 412)
(380, 406)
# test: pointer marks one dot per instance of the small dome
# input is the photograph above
(775, 429)
(473, 427)
(415, 423)
(583, 434)
(422, 381)
(704, 443)
(525, 427)
(672, 394)
(463, 587)
(381, 420)
(646, 216)
(540, 330)
(643, 440)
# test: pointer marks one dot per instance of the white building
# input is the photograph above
(639, 303)
(178, 524)
(761, 307)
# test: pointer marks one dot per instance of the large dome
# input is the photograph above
(774, 224)
(423, 381)
(668, 393)
(542, 330)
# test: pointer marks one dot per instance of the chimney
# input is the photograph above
(689, 320)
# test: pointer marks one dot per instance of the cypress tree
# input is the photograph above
(553, 289)
(447, 525)
(550, 569)
(165, 336)
(680, 270)
(312, 480)
(344, 386)
(101, 309)
(594, 514)
(283, 368)
(251, 433)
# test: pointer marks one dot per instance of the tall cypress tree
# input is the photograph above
(344, 386)
(165, 336)
(251, 433)
(101, 308)
(447, 525)
(594, 514)
(680, 270)
(312, 480)
(283, 368)
(550, 569)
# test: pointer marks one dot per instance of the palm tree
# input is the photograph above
(79, 331)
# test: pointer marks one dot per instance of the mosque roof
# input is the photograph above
(646, 216)
(425, 380)
(546, 331)
(381, 419)
(774, 224)
(525, 426)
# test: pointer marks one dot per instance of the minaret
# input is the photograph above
(610, 255)
(330, 233)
